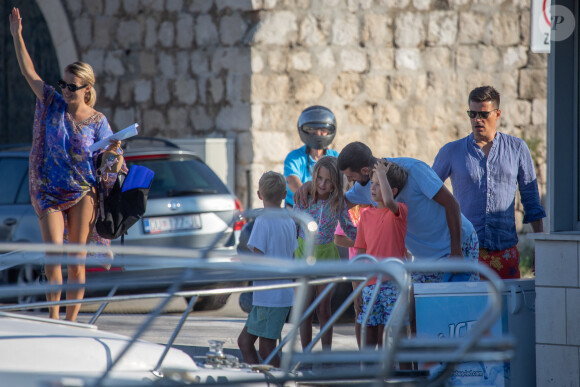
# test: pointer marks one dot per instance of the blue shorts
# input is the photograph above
(267, 322)
(383, 306)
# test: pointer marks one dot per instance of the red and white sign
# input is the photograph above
(549, 23)
(540, 25)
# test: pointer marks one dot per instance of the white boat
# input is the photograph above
(37, 351)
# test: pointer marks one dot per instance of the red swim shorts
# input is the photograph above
(505, 262)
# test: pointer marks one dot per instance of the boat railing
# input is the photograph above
(204, 267)
(469, 347)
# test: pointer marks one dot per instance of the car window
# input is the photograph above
(180, 177)
(23, 196)
(15, 171)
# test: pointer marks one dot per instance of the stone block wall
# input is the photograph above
(396, 73)
(557, 309)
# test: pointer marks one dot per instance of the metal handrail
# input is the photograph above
(309, 274)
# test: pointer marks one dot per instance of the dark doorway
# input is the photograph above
(17, 102)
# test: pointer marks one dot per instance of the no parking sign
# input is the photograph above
(549, 23)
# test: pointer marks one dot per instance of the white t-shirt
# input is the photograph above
(275, 237)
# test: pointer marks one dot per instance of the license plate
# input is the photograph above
(171, 223)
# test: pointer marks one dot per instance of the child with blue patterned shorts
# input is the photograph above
(381, 233)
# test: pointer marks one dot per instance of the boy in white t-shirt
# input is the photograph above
(273, 236)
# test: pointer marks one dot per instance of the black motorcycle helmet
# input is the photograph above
(313, 118)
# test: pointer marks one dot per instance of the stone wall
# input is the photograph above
(396, 73)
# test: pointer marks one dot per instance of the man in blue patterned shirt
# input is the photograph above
(485, 169)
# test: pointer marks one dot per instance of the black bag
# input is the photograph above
(125, 204)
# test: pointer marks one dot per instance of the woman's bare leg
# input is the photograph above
(52, 230)
(81, 220)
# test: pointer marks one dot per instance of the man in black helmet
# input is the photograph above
(317, 128)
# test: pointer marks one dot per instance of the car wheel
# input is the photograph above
(25, 276)
(208, 303)
(245, 301)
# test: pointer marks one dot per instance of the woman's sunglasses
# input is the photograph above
(71, 86)
(472, 113)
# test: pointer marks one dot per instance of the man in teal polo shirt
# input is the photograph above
(317, 128)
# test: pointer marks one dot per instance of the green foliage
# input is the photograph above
(535, 144)
(526, 260)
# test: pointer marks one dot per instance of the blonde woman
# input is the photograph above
(62, 173)
(328, 208)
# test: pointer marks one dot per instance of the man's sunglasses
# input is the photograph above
(473, 114)
(71, 86)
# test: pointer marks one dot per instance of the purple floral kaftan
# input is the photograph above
(61, 165)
